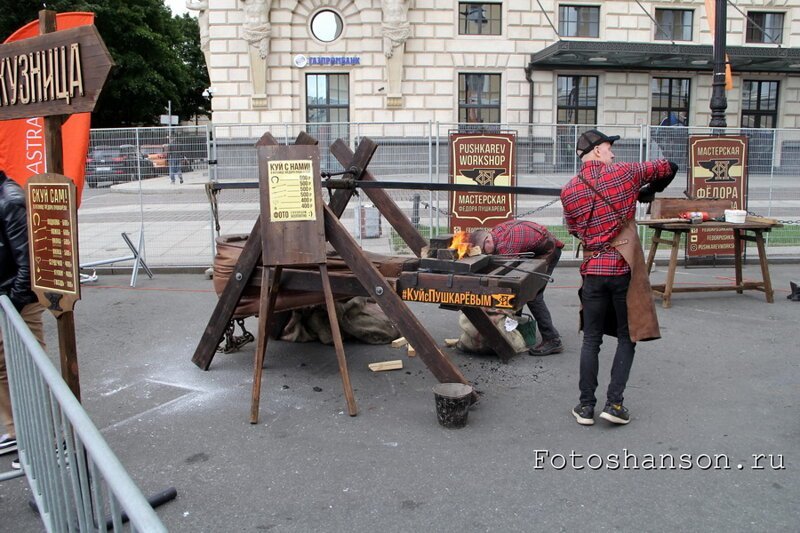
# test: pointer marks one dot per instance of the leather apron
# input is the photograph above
(642, 318)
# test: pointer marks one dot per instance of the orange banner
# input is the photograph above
(22, 153)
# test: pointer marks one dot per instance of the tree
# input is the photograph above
(157, 56)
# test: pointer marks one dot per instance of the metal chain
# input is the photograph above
(444, 212)
(784, 222)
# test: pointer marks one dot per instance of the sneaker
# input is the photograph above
(7, 444)
(15, 464)
(181, 179)
(616, 413)
(548, 347)
(584, 414)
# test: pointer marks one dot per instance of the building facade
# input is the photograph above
(510, 61)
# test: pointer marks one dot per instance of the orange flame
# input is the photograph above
(460, 243)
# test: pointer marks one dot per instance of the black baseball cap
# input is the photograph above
(592, 138)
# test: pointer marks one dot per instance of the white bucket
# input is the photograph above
(735, 216)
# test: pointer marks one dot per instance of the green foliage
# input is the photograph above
(157, 57)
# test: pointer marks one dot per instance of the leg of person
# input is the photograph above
(614, 410)
(551, 339)
(8, 440)
(595, 302)
(32, 315)
(172, 171)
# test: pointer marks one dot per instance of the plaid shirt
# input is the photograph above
(518, 236)
(591, 220)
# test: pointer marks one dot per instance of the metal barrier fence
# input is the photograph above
(76, 480)
(179, 228)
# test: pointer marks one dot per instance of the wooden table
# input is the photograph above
(740, 233)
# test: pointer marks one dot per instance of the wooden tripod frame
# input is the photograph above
(373, 282)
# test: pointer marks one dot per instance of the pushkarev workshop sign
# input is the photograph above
(58, 73)
(481, 159)
(718, 170)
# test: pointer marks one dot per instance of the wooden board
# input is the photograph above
(83, 67)
(292, 227)
(396, 364)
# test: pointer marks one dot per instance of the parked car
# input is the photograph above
(117, 164)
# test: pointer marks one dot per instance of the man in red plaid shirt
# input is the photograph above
(516, 237)
(606, 274)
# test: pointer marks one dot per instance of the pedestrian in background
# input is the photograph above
(174, 160)
(616, 299)
(15, 282)
(516, 237)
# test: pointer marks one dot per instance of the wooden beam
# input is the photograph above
(358, 163)
(484, 324)
(393, 214)
(391, 304)
(229, 299)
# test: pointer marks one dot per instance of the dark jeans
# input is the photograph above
(601, 295)
(538, 307)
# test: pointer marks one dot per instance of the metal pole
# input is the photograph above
(719, 102)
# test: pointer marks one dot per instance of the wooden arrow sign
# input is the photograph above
(57, 73)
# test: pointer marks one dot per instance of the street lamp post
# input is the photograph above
(719, 102)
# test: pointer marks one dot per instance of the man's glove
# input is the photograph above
(648, 193)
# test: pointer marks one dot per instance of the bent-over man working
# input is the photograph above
(599, 208)
(516, 237)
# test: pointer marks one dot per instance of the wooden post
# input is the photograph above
(54, 160)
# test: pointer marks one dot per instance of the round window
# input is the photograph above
(327, 26)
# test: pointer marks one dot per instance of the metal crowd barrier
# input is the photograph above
(77, 482)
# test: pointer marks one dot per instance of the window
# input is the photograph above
(674, 24)
(759, 104)
(579, 21)
(327, 98)
(479, 98)
(577, 100)
(479, 19)
(763, 27)
(326, 26)
(670, 105)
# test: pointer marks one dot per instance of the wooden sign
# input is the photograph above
(481, 159)
(461, 298)
(292, 225)
(53, 241)
(57, 73)
(718, 169)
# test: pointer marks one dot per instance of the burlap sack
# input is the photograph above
(472, 341)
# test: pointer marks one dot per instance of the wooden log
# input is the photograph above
(411, 351)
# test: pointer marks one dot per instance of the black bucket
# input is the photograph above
(452, 404)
